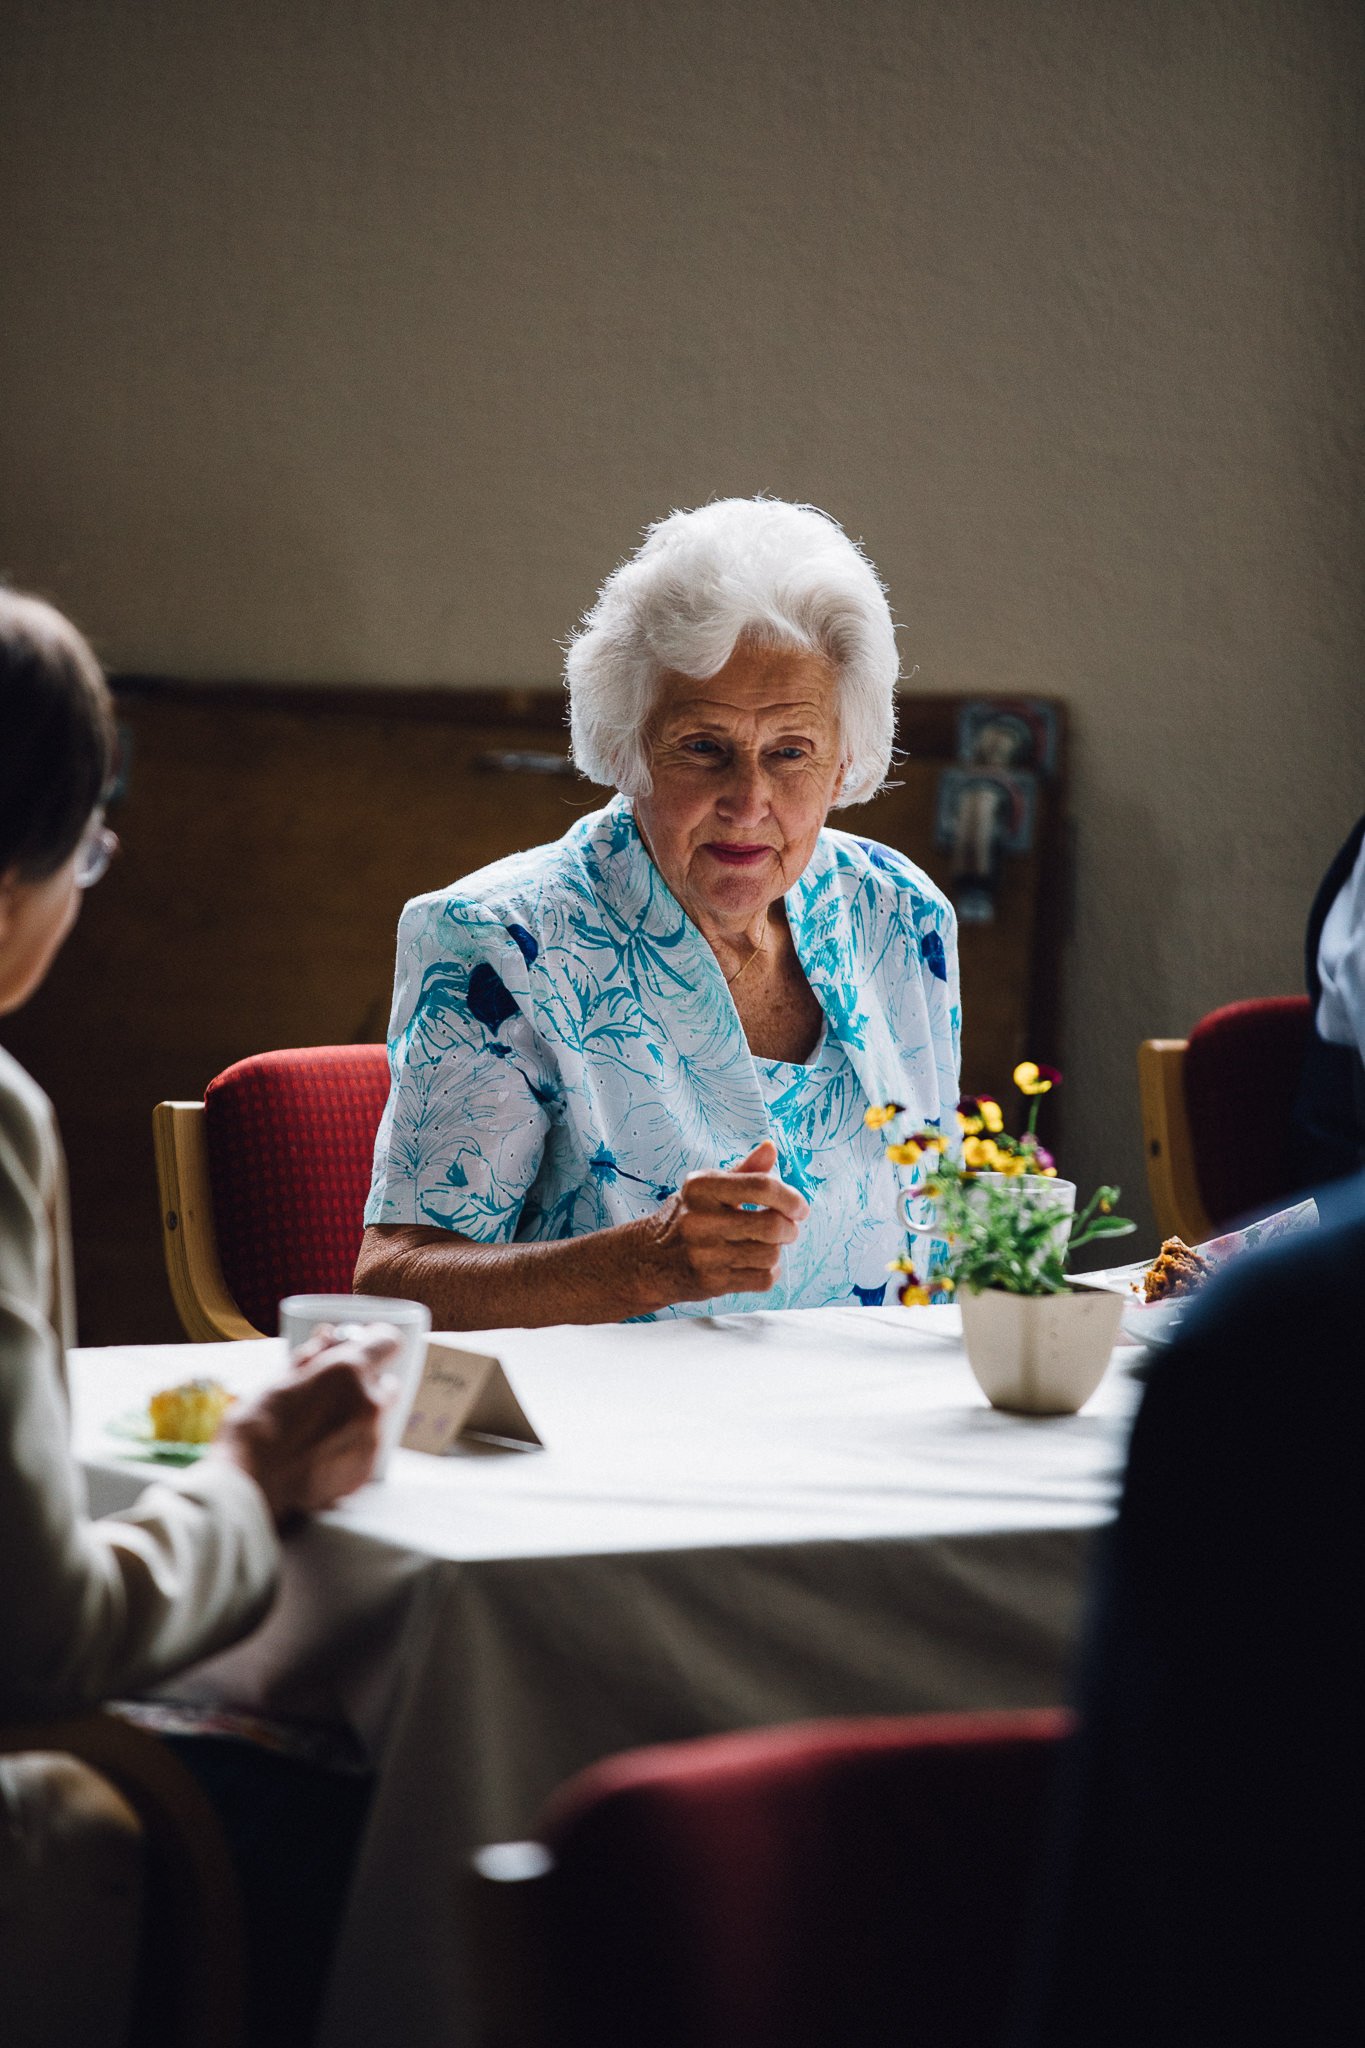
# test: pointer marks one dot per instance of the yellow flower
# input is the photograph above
(885, 1113)
(983, 1155)
(1031, 1079)
(991, 1114)
(945, 1285)
(1011, 1163)
(1050, 1173)
(908, 1154)
(900, 1266)
(912, 1295)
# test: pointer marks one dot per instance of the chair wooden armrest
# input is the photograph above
(193, 1934)
(505, 1896)
(198, 1288)
(1167, 1143)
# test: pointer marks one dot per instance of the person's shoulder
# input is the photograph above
(27, 1122)
(521, 889)
(886, 872)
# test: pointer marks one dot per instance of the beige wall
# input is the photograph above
(358, 341)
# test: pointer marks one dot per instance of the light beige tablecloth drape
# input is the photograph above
(738, 1522)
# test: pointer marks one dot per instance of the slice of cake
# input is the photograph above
(1177, 1269)
(189, 1414)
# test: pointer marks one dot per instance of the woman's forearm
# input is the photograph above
(720, 1233)
(603, 1277)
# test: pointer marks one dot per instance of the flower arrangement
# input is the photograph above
(999, 1234)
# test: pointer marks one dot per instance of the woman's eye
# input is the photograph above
(789, 753)
(701, 749)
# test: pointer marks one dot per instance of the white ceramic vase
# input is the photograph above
(1041, 1354)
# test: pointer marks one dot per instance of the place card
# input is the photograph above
(465, 1393)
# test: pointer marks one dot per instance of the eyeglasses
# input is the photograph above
(97, 848)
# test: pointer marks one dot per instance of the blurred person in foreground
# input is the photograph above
(1329, 1118)
(1206, 1868)
(90, 1609)
(630, 1069)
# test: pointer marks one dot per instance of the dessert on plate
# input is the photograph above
(1177, 1270)
(190, 1413)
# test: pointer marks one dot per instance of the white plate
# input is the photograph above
(135, 1431)
(1154, 1322)
(1148, 1322)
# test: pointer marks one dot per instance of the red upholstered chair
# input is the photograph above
(859, 1882)
(1216, 1111)
(263, 1184)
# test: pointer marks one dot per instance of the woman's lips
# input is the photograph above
(736, 856)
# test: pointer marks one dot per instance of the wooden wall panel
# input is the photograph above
(270, 839)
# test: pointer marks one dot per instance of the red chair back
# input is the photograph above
(1241, 1073)
(290, 1138)
(846, 1881)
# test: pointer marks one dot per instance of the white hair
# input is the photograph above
(752, 569)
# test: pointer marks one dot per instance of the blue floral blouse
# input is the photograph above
(564, 1050)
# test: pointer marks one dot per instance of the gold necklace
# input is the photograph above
(731, 979)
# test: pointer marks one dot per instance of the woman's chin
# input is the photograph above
(738, 892)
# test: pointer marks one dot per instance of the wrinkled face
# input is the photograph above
(745, 768)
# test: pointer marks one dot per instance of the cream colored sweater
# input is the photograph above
(89, 1609)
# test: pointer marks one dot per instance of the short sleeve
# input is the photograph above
(462, 1137)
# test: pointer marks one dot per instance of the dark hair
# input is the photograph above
(57, 736)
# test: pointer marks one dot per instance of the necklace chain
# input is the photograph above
(731, 979)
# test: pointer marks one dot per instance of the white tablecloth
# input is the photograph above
(733, 1522)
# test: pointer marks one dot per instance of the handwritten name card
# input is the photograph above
(465, 1393)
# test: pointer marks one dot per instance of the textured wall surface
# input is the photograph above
(346, 341)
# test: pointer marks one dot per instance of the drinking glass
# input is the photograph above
(301, 1314)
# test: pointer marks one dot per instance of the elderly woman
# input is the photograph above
(630, 1069)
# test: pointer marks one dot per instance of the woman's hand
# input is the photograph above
(314, 1436)
(723, 1233)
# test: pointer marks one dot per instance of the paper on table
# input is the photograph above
(464, 1393)
(1284, 1223)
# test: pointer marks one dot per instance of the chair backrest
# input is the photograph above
(290, 1142)
(1241, 1074)
(1218, 1115)
(860, 1881)
(192, 1995)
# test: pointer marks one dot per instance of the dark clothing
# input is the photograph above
(1329, 1115)
(293, 1830)
(1206, 1869)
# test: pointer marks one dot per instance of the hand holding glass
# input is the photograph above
(302, 1314)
